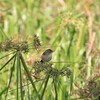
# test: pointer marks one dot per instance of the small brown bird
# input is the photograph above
(46, 56)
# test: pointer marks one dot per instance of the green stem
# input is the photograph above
(10, 77)
(21, 87)
(45, 85)
(28, 74)
(7, 62)
(55, 87)
(17, 74)
(6, 55)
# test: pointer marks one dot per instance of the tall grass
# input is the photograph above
(70, 28)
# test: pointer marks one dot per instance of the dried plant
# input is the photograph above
(91, 90)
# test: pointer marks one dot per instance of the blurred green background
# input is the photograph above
(69, 27)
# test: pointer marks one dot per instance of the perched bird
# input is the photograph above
(46, 56)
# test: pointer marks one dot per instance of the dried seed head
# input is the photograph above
(36, 42)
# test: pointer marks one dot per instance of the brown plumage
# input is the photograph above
(46, 56)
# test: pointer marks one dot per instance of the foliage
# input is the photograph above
(70, 28)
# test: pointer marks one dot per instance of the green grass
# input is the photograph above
(70, 28)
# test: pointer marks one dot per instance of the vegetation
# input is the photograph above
(69, 27)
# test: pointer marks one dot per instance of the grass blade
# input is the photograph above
(55, 87)
(28, 94)
(17, 74)
(7, 62)
(6, 55)
(2, 92)
(10, 77)
(28, 74)
(45, 85)
(19, 65)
